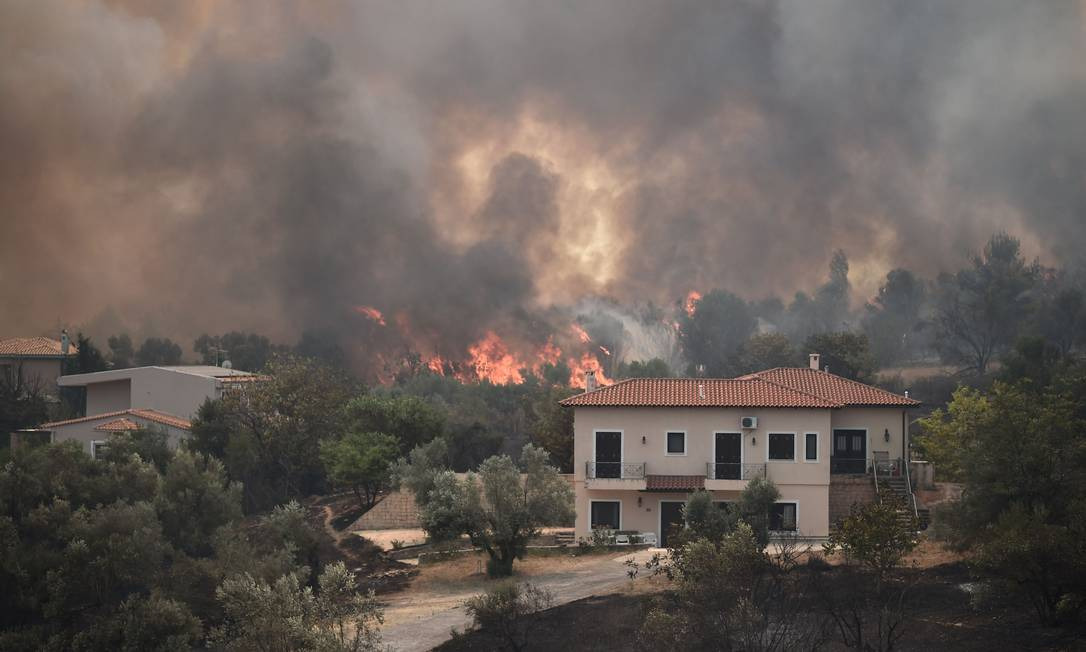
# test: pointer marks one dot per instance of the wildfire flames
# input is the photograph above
(495, 360)
(691, 303)
(580, 333)
(371, 313)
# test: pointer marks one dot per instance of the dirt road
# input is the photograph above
(421, 617)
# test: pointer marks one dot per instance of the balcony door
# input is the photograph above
(849, 451)
(729, 456)
(608, 454)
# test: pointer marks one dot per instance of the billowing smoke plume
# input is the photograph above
(481, 167)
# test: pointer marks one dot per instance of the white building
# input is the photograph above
(141, 397)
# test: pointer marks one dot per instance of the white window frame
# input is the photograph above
(818, 448)
(685, 447)
(610, 500)
(788, 501)
(94, 444)
(794, 446)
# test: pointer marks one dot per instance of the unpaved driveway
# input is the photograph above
(420, 617)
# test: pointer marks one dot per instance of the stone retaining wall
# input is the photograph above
(845, 491)
(397, 511)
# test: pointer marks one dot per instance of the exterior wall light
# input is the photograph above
(643, 440)
(754, 440)
(886, 434)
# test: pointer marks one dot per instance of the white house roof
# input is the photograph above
(206, 371)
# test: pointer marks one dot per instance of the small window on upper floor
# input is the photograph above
(782, 446)
(676, 443)
(810, 452)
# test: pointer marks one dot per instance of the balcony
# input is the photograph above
(727, 476)
(615, 475)
(615, 470)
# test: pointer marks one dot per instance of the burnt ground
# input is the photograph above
(942, 618)
(373, 569)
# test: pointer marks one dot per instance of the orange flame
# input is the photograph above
(578, 369)
(580, 332)
(437, 365)
(691, 305)
(371, 313)
(549, 354)
(491, 360)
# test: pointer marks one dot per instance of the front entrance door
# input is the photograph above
(671, 516)
(849, 451)
(608, 454)
(729, 456)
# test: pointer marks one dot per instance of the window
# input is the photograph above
(676, 443)
(782, 446)
(810, 452)
(98, 447)
(605, 514)
(782, 518)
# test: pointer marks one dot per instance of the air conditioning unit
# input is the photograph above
(748, 423)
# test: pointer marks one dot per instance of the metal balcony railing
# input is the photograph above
(734, 471)
(615, 470)
(848, 465)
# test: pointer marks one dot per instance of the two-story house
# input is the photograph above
(139, 397)
(643, 444)
(35, 362)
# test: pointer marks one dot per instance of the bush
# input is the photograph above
(505, 610)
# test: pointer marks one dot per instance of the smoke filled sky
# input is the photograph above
(203, 166)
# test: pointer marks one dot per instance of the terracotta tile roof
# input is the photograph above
(698, 392)
(674, 482)
(783, 387)
(142, 413)
(835, 388)
(118, 425)
(33, 346)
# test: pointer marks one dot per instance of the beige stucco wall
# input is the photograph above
(644, 440)
(108, 397)
(812, 507)
(176, 393)
(42, 372)
(84, 431)
(700, 425)
(166, 390)
(877, 421)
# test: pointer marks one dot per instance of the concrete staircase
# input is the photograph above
(564, 538)
(899, 486)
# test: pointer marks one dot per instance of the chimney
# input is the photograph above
(65, 342)
(589, 381)
(814, 357)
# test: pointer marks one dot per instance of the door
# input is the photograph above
(671, 516)
(849, 451)
(608, 455)
(729, 456)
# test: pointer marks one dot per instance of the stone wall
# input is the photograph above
(396, 511)
(845, 491)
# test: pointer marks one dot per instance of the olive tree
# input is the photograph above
(500, 508)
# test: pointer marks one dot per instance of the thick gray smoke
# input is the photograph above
(474, 166)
